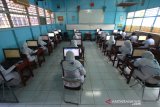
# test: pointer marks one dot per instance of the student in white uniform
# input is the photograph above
(110, 42)
(150, 41)
(133, 38)
(73, 69)
(126, 49)
(147, 68)
(31, 56)
(11, 76)
(42, 44)
(123, 34)
(74, 43)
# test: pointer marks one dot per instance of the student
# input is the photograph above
(148, 42)
(73, 69)
(42, 44)
(11, 76)
(74, 43)
(110, 42)
(31, 56)
(133, 38)
(147, 68)
(119, 32)
(100, 31)
(123, 34)
(126, 49)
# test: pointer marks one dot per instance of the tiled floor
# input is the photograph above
(103, 82)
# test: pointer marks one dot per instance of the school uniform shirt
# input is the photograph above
(148, 42)
(133, 38)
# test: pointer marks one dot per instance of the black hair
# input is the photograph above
(133, 33)
(119, 30)
(149, 36)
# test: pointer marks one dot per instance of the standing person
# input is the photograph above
(73, 69)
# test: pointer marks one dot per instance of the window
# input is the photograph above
(18, 14)
(52, 17)
(47, 13)
(152, 12)
(4, 23)
(33, 16)
(139, 13)
(136, 24)
(48, 20)
(128, 24)
(130, 15)
(147, 24)
(156, 27)
(48, 17)
(41, 11)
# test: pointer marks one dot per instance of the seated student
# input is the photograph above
(126, 49)
(110, 42)
(133, 38)
(75, 37)
(74, 43)
(103, 35)
(29, 53)
(11, 76)
(123, 34)
(73, 69)
(147, 67)
(119, 32)
(42, 44)
(148, 42)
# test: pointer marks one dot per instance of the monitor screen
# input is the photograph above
(138, 52)
(108, 37)
(59, 31)
(32, 43)
(97, 30)
(142, 37)
(51, 34)
(119, 43)
(115, 31)
(11, 53)
(56, 32)
(45, 38)
(75, 50)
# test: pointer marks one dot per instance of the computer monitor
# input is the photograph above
(138, 52)
(108, 37)
(97, 30)
(75, 50)
(119, 43)
(59, 30)
(56, 32)
(11, 53)
(32, 43)
(142, 38)
(45, 38)
(51, 34)
(115, 31)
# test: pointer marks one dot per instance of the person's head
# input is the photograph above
(122, 30)
(70, 57)
(148, 55)
(133, 33)
(100, 29)
(25, 45)
(119, 30)
(149, 36)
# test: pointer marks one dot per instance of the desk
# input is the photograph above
(87, 36)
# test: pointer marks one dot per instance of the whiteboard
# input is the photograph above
(90, 26)
(91, 16)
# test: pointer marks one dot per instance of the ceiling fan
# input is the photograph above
(130, 3)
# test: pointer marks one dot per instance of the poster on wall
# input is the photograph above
(60, 18)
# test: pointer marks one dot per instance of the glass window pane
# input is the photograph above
(4, 23)
(148, 21)
(151, 12)
(156, 27)
(41, 11)
(47, 13)
(48, 20)
(19, 20)
(129, 21)
(52, 15)
(1, 6)
(137, 21)
(32, 10)
(16, 8)
(130, 15)
(139, 13)
(34, 20)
